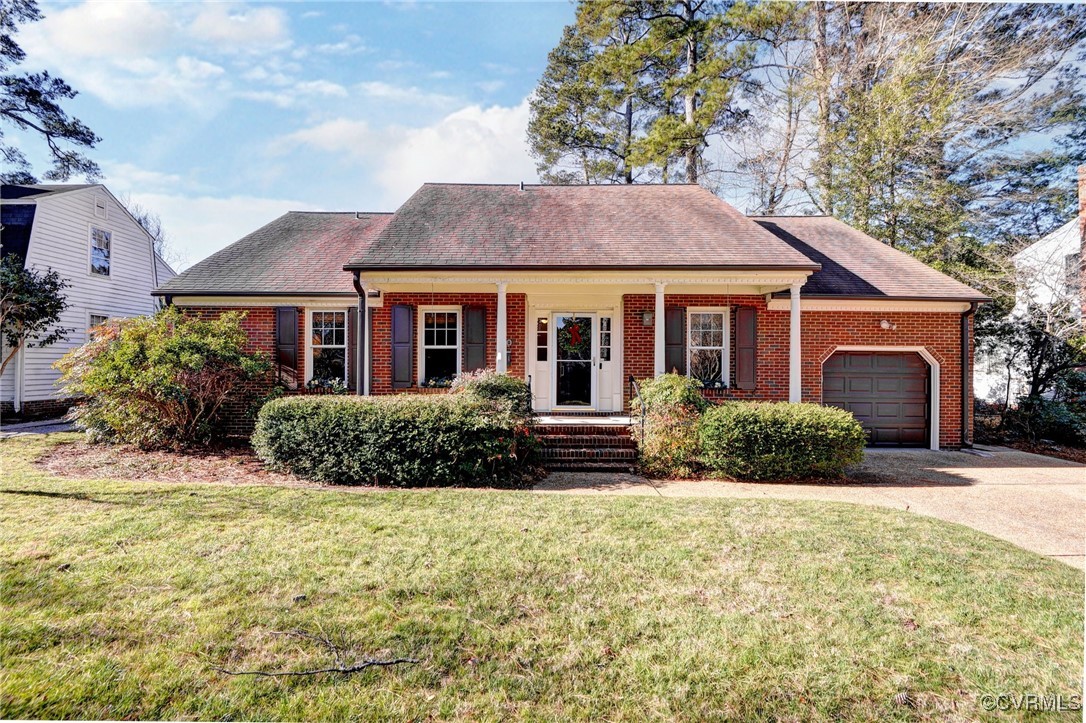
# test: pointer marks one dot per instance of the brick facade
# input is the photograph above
(381, 321)
(259, 326)
(823, 332)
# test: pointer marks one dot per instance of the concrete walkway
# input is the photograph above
(42, 426)
(1036, 502)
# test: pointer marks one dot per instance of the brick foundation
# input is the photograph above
(36, 409)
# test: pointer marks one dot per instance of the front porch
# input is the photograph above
(577, 338)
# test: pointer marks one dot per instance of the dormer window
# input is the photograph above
(100, 208)
(100, 251)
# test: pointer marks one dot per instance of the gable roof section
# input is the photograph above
(40, 190)
(297, 253)
(856, 265)
(16, 224)
(476, 226)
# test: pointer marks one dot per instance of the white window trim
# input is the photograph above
(421, 334)
(90, 250)
(100, 203)
(726, 351)
(310, 346)
(94, 312)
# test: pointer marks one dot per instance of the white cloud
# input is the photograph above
(403, 94)
(473, 144)
(198, 226)
(101, 30)
(142, 54)
(321, 87)
(490, 86)
(240, 28)
(350, 45)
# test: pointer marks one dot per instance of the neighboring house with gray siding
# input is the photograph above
(86, 235)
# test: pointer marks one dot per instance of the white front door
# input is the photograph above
(574, 351)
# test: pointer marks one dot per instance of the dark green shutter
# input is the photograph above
(746, 344)
(675, 340)
(474, 338)
(403, 346)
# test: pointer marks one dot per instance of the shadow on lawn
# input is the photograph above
(63, 496)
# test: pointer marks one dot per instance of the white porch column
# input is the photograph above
(503, 344)
(795, 374)
(658, 336)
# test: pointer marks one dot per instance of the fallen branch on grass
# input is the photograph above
(337, 653)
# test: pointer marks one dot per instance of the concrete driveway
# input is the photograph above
(1036, 502)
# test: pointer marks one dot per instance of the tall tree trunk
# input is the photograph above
(823, 168)
(627, 171)
(691, 97)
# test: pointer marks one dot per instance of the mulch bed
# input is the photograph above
(1071, 454)
(229, 465)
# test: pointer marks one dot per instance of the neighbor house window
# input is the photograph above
(99, 251)
(98, 320)
(707, 346)
(440, 346)
(329, 347)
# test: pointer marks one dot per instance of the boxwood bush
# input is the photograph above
(403, 440)
(488, 384)
(672, 407)
(778, 441)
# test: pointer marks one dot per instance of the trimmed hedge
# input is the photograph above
(777, 441)
(490, 385)
(403, 440)
(673, 406)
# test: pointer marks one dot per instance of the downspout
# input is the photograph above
(362, 343)
(967, 381)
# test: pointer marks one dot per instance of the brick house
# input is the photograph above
(578, 289)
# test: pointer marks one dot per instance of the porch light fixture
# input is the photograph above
(888, 326)
(646, 318)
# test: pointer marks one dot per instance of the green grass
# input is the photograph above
(517, 605)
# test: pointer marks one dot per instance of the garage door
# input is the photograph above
(888, 392)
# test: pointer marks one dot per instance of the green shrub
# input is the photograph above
(771, 441)
(488, 384)
(672, 408)
(1036, 418)
(402, 440)
(167, 380)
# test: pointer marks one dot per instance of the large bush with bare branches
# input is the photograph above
(164, 380)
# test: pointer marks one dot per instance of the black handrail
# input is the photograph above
(635, 389)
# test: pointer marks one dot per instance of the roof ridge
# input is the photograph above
(561, 185)
(348, 213)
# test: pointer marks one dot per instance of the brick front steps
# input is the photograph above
(596, 447)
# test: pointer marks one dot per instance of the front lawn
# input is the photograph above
(122, 598)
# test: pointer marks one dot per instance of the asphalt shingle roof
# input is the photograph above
(621, 226)
(297, 253)
(857, 265)
(39, 190)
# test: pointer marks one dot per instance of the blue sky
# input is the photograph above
(221, 116)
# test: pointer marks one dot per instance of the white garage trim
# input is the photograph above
(933, 363)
